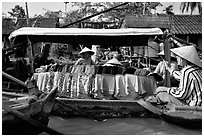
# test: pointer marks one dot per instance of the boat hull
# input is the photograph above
(19, 117)
(12, 125)
(97, 109)
(192, 119)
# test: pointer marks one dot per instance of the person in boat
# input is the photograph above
(160, 69)
(42, 59)
(115, 61)
(85, 59)
(189, 91)
(99, 55)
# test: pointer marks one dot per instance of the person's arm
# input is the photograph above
(173, 71)
(79, 61)
(176, 74)
(157, 70)
(183, 90)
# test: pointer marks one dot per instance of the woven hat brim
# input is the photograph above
(189, 53)
(85, 50)
(114, 61)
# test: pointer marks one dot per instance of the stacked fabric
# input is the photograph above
(74, 84)
(126, 86)
(82, 81)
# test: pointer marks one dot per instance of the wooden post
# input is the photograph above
(130, 56)
(167, 46)
(27, 18)
(31, 55)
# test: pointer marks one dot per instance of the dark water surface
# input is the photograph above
(117, 126)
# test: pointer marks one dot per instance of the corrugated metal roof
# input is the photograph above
(147, 21)
(186, 24)
(8, 26)
(37, 22)
(179, 24)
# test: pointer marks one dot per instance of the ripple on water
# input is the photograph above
(117, 126)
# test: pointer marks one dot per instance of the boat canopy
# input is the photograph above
(126, 36)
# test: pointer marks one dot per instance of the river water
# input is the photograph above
(117, 126)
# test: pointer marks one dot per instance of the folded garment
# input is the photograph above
(108, 84)
(65, 91)
(120, 85)
(83, 84)
(141, 72)
(89, 69)
(105, 84)
(73, 88)
(45, 82)
(40, 80)
(50, 81)
(140, 84)
(77, 69)
(60, 82)
(56, 78)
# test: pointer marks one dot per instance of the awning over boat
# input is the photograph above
(128, 36)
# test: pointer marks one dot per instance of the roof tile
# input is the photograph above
(179, 24)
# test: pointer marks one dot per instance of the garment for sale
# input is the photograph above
(140, 84)
(120, 85)
(45, 82)
(105, 84)
(40, 80)
(65, 92)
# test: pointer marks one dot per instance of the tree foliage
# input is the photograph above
(52, 14)
(185, 6)
(169, 9)
(116, 15)
(18, 12)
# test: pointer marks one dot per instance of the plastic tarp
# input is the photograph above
(86, 36)
(29, 31)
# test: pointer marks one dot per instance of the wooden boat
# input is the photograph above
(185, 116)
(116, 37)
(39, 111)
(97, 109)
(188, 117)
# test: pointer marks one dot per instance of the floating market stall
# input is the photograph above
(96, 92)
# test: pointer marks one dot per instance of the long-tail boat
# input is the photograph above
(16, 113)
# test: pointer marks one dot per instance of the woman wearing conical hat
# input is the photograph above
(85, 59)
(115, 61)
(189, 91)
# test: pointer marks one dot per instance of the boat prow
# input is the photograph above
(185, 116)
(38, 111)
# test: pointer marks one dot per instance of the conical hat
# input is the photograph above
(114, 61)
(84, 50)
(189, 53)
(162, 53)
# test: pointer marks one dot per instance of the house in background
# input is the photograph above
(9, 25)
(186, 27)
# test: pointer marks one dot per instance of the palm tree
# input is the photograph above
(192, 5)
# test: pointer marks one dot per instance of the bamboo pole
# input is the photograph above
(14, 79)
(65, 26)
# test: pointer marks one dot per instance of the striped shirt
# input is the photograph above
(190, 88)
